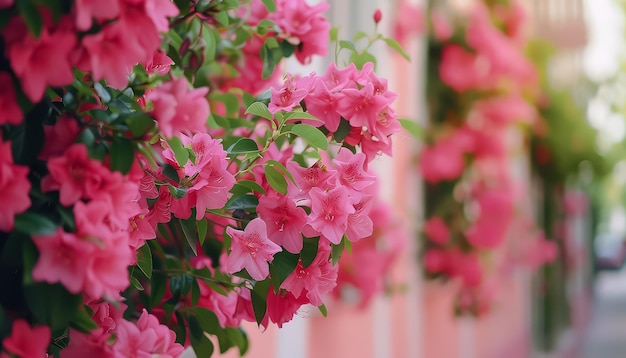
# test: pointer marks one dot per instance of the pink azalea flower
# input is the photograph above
(319, 278)
(282, 307)
(462, 70)
(159, 11)
(351, 174)
(409, 22)
(141, 230)
(179, 109)
(435, 261)
(501, 111)
(316, 176)
(59, 137)
(25, 341)
(361, 107)
(74, 174)
(63, 258)
(329, 212)
(86, 10)
(94, 344)
(34, 74)
(443, 161)
(286, 97)
(6, 3)
(14, 188)
(284, 221)
(442, 28)
(496, 213)
(146, 338)
(251, 249)
(360, 224)
(437, 230)
(160, 63)
(10, 111)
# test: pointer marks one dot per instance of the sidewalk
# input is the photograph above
(606, 336)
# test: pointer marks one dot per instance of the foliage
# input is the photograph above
(160, 178)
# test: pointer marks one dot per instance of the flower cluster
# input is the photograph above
(470, 191)
(158, 191)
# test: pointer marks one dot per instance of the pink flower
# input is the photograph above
(462, 70)
(94, 344)
(160, 63)
(53, 46)
(281, 307)
(59, 137)
(409, 22)
(443, 161)
(63, 258)
(436, 230)
(442, 29)
(315, 280)
(503, 110)
(25, 341)
(329, 212)
(146, 338)
(74, 174)
(362, 107)
(284, 221)
(496, 213)
(6, 3)
(251, 249)
(86, 10)
(316, 176)
(351, 173)
(10, 111)
(14, 188)
(360, 224)
(179, 109)
(435, 261)
(288, 96)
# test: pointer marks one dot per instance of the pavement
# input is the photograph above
(606, 335)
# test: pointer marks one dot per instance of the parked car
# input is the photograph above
(610, 251)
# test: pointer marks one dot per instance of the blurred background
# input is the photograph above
(567, 297)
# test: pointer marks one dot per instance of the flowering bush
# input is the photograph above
(478, 85)
(160, 180)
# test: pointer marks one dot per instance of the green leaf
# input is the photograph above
(230, 101)
(195, 293)
(281, 267)
(282, 168)
(343, 130)
(396, 46)
(253, 186)
(34, 224)
(309, 251)
(201, 344)
(412, 127)
(170, 172)
(52, 305)
(181, 154)
(323, 310)
(136, 284)
(259, 109)
(29, 12)
(83, 322)
(144, 260)
(244, 202)
(300, 115)
(221, 17)
(243, 145)
(122, 154)
(276, 180)
(189, 231)
(313, 136)
(359, 35)
(27, 141)
(139, 123)
(258, 296)
(104, 95)
(203, 227)
(210, 43)
(337, 250)
(270, 5)
(334, 34)
(347, 45)
(158, 286)
(360, 59)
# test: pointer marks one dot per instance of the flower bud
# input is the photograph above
(378, 15)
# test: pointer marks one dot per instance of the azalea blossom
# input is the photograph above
(251, 249)
(329, 212)
(27, 341)
(14, 188)
(284, 221)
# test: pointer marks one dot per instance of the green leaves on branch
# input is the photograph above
(311, 135)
